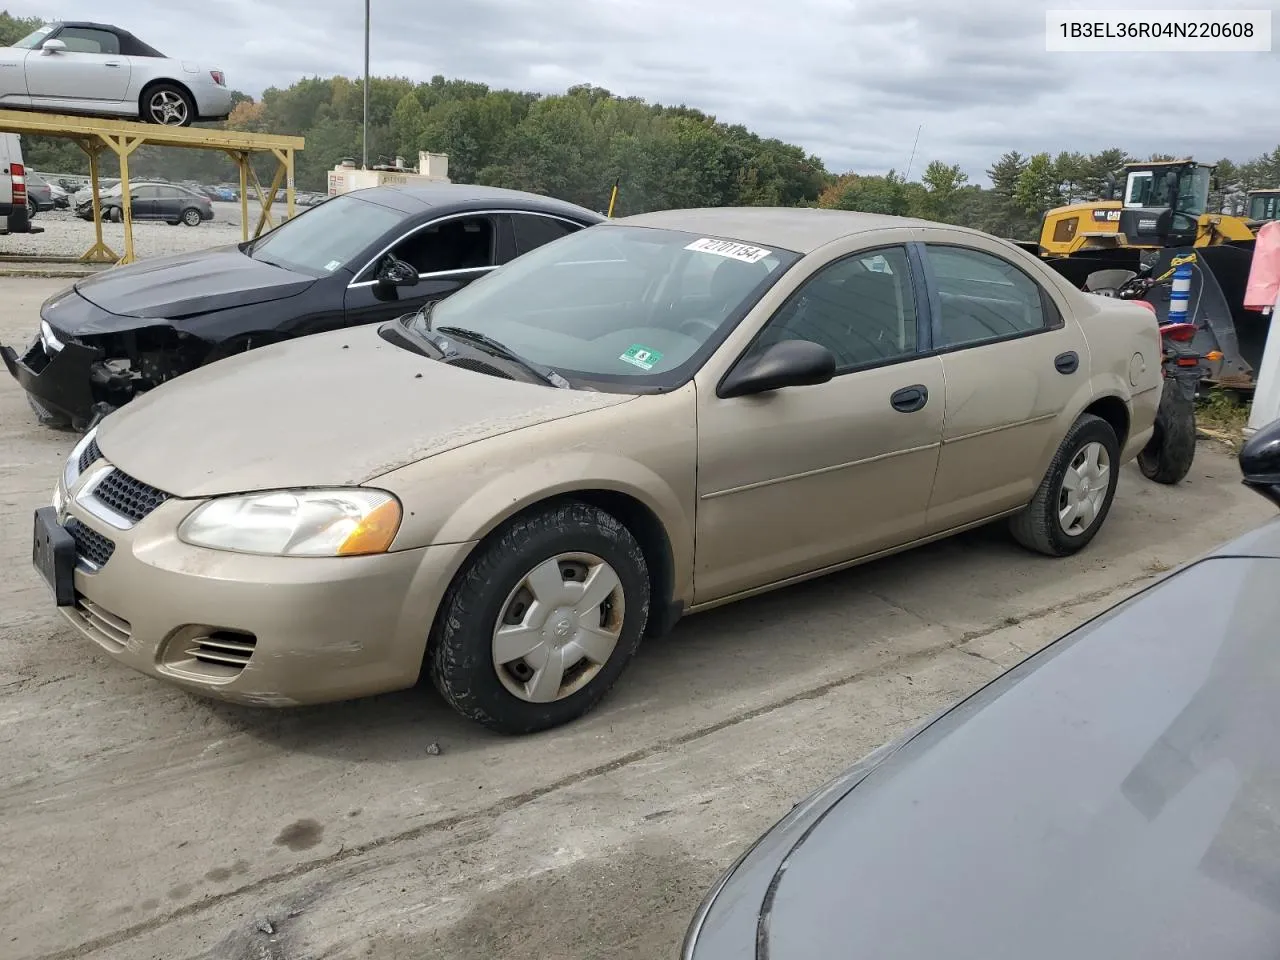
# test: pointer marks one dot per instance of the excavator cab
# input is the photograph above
(1263, 205)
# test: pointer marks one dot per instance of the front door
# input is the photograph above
(91, 68)
(1012, 364)
(799, 479)
(449, 254)
(144, 202)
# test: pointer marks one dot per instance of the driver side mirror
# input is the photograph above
(395, 272)
(1260, 462)
(52, 45)
(791, 363)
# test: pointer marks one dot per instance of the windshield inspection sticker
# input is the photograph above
(332, 265)
(727, 248)
(641, 357)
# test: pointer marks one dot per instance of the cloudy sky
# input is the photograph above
(850, 80)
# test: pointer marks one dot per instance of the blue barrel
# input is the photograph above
(1180, 292)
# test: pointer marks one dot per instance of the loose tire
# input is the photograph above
(539, 583)
(167, 104)
(1075, 496)
(191, 217)
(1168, 455)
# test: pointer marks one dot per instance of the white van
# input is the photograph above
(13, 186)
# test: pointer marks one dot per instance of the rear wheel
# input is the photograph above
(1168, 455)
(191, 217)
(168, 105)
(1075, 495)
(32, 209)
(542, 620)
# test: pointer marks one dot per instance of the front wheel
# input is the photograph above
(542, 621)
(1168, 455)
(1075, 495)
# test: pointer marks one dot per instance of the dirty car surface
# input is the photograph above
(1113, 795)
(512, 486)
(112, 336)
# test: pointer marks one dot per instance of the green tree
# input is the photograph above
(943, 183)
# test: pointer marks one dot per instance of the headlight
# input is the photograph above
(48, 338)
(297, 523)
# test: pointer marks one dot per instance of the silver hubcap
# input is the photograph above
(1084, 489)
(192, 217)
(168, 108)
(558, 627)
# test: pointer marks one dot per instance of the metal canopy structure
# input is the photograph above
(122, 137)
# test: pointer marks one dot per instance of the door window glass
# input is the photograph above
(86, 40)
(983, 297)
(461, 244)
(861, 308)
(533, 231)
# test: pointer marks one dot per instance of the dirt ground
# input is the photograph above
(139, 822)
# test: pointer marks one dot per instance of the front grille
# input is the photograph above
(90, 455)
(109, 630)
(479, 366)
(90, 545)
(128, 497)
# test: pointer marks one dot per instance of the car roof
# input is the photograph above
(801, 229)
(414, 197)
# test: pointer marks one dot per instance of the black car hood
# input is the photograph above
(1117, 795)
(190, 283)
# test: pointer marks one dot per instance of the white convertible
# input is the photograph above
(98, 69)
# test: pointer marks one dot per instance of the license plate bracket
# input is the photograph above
(53, 554)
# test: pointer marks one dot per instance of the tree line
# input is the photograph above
(576, 145)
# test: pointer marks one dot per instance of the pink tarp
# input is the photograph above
(1264, 274)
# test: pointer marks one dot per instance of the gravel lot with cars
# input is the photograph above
(66, 235)
(150, 823)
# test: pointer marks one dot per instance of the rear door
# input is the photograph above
(1012, 362)
(449, 253)
(91, 68)
(532, 230)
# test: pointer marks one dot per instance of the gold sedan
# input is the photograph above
(648, 418)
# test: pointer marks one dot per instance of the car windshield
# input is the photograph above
(35, 38)
(328, 237)
(616, 305)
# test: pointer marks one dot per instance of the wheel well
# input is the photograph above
(645, 526)
(1115, 412)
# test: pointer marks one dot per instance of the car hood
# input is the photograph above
(332, 409)
(1115, 795)
(190, 283)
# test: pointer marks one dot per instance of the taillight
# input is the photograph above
(1179, 332)
(19, 173)
(218, 77)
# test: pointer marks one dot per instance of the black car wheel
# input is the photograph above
(168, 105)
(191, 217)
(542, 620)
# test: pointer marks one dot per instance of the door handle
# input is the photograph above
(112, 64)
(1067, 363)
(910, 399)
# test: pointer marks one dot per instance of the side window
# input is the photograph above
(861, 308)
(533, 231)
(144, 193)
(85, 40)
(983, 297)
(460, 244)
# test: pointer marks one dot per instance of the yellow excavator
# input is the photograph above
(1150, 206)
(1154, 218)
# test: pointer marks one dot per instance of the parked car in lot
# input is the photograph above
(44, 195)
(98, 69)
(150, 201)
(657, 415)
(106, 338)
(1114, 795)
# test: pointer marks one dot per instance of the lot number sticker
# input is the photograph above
(641, 357)
(727, 248)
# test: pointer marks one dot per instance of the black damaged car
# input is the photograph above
(362, 257)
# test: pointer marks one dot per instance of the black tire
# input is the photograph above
(1037, 527)
(460, 649)
(181, 107)
(1168, 455)
(191, 217)
(47, 417)
(19, 221)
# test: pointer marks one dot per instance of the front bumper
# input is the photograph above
(61, 380)
(265, 631)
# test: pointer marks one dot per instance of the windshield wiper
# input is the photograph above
(545, 374)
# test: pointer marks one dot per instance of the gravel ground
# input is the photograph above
(66, 235)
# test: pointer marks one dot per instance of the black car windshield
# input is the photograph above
(35, 37)
(326, 237)
(616, 305)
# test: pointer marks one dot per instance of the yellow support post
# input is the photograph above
(123, 146)
(99, 252)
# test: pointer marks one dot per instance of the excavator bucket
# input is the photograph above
(1219, 275)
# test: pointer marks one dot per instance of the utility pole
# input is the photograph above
(365, 138)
